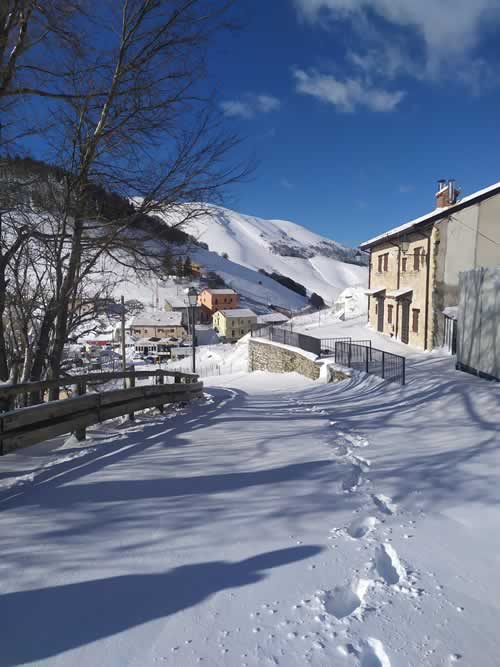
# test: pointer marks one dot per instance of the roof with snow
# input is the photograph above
(271, 317)
(219, 291)
(177, 300)
(435, 215)
(157, 319)
(238, 312)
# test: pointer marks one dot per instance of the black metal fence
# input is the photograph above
(369, 359)
(286, 337)
(328, 344)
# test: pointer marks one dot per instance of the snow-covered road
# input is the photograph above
(279, 522)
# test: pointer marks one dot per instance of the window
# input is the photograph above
(232, 333)
(416, 259)
(380, 260)
(404, 263)
(376, 308)
(415, 316)
(386, 261)
(389, 314)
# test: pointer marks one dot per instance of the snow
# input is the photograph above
(237, 312)
(272, 318)
(279, 521)
(248, 241)
(451, 312)
(156, 318)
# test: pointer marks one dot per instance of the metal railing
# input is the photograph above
(328, 344)
(286, 337)
(79, 407)
(369, 359)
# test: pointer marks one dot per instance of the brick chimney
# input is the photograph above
(446, 194)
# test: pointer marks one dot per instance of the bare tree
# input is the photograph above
(130, 111)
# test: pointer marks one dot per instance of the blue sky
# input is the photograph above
(355, 108)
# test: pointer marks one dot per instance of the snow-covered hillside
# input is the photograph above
(275, 245)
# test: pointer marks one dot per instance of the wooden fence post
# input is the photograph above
(131, 415)
(81, 432)
(4, 406)
(160, 381)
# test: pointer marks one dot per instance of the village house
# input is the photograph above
(178, 303)
(233, 324)
(211, 300)
(272, 319)
(414, 269)
(156, 324)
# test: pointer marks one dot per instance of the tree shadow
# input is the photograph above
(42, 623)
(120, 490)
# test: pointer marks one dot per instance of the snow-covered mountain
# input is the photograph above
(320, 264)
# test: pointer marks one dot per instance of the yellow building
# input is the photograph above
(233, 324)
(414, 268)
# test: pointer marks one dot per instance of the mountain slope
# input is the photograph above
(281, 246)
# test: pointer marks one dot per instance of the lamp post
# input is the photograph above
(192, 296)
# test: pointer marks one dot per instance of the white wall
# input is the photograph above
(479, 321)
(461, 244)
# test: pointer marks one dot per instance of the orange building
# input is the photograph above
(212, 300)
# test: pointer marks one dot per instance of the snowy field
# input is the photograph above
(277, 522)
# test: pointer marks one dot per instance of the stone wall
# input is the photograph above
(275, 358)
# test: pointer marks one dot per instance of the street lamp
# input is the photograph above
(192, 296)
(404, 246)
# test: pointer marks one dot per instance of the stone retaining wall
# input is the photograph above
(263, 356)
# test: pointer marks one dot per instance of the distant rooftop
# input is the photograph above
(157, 319)
(272, 317)
(238, 312)
(220, 291)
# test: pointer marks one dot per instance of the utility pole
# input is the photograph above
(124, 361)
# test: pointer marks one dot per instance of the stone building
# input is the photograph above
(414, 269)
(156, 324)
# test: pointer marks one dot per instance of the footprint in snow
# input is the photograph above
(341, 450)
(354, 439)
(344, 601)
(384, 504)
(388, 565)
(361, 527)
(353, 479)
(371, 653)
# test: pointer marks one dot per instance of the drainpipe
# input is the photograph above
(427, 277)
(399, 285)
(369, 281)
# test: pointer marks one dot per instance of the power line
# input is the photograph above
(475, 231)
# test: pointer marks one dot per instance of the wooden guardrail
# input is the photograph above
(23, 426)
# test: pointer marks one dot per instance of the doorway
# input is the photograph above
(380, 314)
(405, 322)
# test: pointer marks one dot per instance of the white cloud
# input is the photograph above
(285, 183)
(250, 106)
(346, 95)
(448, 32)
(446, 26)
(267, 103)
(235, 108)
